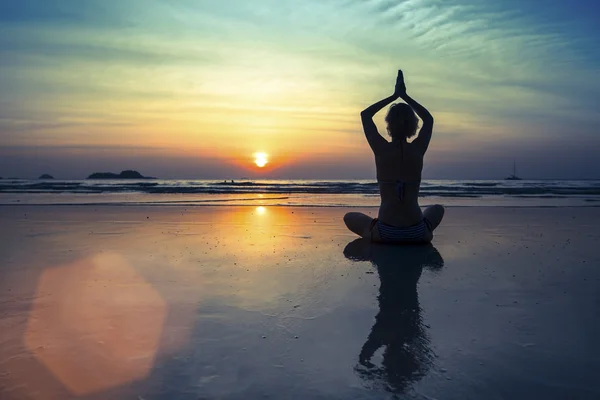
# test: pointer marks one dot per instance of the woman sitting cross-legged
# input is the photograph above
(399, 166)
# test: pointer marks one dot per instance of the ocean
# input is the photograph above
(324, 193)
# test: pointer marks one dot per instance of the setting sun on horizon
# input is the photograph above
(261, 159)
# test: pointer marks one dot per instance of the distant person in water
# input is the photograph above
(399, 165)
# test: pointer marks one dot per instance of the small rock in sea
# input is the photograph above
(264, 337)
(295, 337)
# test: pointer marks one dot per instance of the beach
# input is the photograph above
(242, 302)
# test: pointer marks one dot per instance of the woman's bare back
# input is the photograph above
(399, 168)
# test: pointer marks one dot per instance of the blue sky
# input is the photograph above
(193, 88)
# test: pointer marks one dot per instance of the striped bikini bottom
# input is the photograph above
(409, 234)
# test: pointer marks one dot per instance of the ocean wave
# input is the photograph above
(437, 188)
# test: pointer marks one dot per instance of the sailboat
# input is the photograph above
(514, 176)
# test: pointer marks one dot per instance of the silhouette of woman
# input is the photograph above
(398, 325)
(399, 165)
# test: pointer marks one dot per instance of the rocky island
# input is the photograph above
(128, 174)
(46, 176)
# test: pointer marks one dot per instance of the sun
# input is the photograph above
(261, 159)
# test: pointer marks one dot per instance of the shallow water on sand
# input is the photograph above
(282, 302)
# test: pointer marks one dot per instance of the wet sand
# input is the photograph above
(124, 302)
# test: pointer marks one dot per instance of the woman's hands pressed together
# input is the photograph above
(400, 88)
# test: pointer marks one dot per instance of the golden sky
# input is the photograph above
(195, 88)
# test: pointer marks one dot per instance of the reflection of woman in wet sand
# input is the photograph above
(399, 165)
(398, 326)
